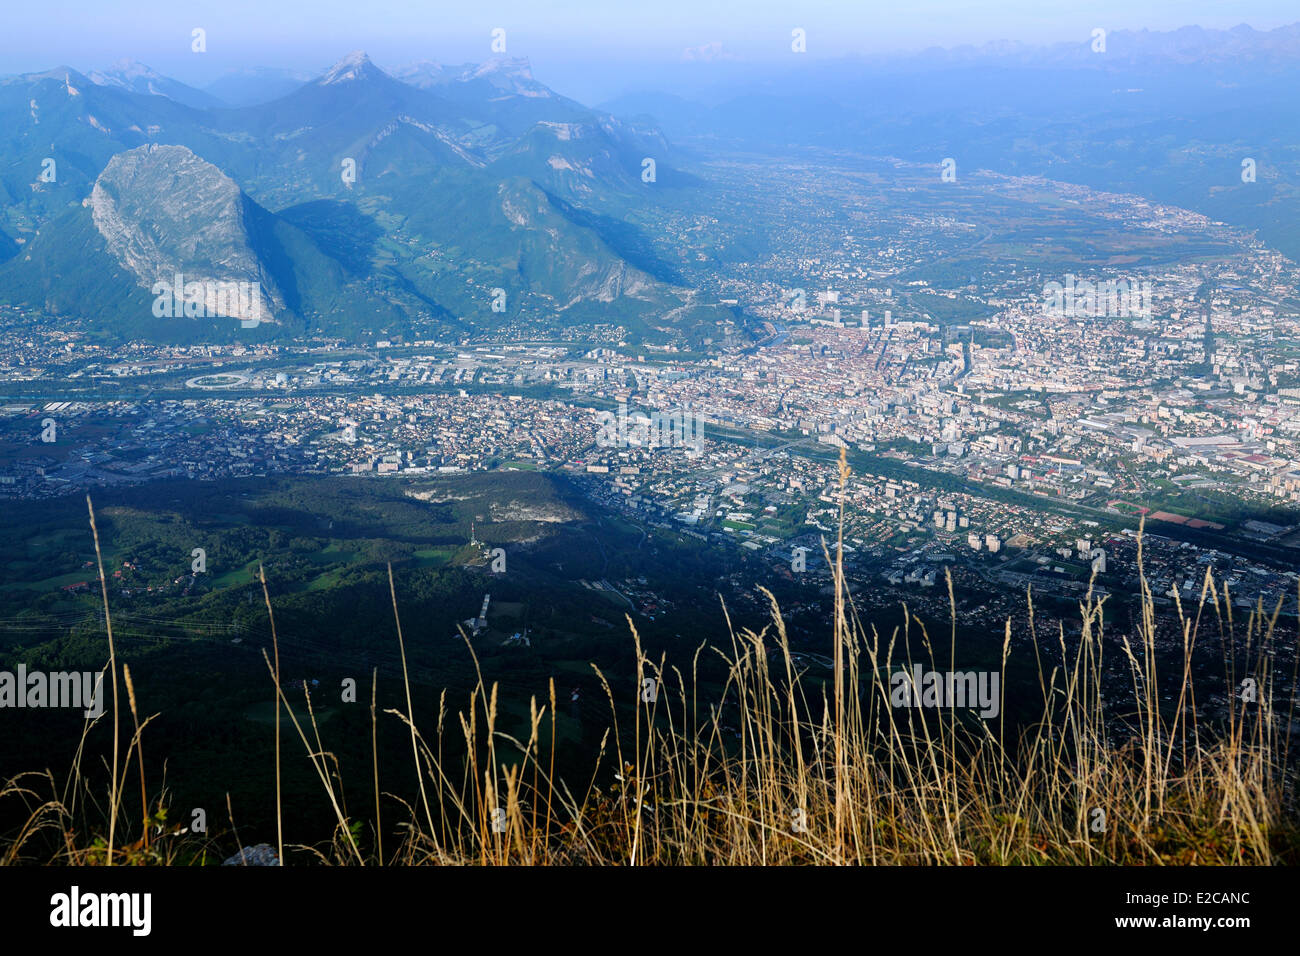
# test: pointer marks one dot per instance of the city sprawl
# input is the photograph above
(1023, 446)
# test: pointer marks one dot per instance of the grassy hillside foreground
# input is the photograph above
(777, 772)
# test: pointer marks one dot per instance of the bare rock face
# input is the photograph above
(164, 212)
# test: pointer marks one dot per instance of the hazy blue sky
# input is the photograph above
(572, 43)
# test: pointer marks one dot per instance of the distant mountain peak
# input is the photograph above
(355, 66)
(130, 67)
(128, 74)
(517, 66)
(65, 74)
(510, 75)
(136, 77)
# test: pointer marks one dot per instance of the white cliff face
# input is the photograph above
(164, 211)
(610, 282)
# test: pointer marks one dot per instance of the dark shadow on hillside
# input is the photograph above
(340, 230)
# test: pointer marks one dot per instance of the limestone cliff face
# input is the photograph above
(163, 211)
